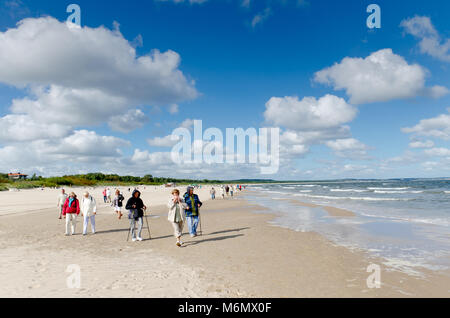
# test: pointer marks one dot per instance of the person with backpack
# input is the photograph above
(193, 205)
(88, 211)
(71, 210)
(136, 208)
(118, 203)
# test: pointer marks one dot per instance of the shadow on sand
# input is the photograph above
(221, 238)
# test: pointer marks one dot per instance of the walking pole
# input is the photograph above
(200, 223)
(129, 231)
(148, 227)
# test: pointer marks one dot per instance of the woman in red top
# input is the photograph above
(71, 210)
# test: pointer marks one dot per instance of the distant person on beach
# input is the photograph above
(118, 203)
(70, 212)
(192, 210)
(227, 189)
(176, 215)
(88, 211)
(108, 195)
(223, 192)
(231, 191)
(104, 196)
(213, 193)
(136, 207)
(61, 200)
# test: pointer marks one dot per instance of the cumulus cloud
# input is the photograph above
(313, 121)
(430, 42)
(437, 127)
(14, 128)
(348, 148)
(45, 51)
(87, 143)
(382, 76)
(84, 76)
(79, 77)
(309, 113)
(134, 118)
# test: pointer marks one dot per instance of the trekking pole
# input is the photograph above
(148, 227)
(200, 223)
(129, 231)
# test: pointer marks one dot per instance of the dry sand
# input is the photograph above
(239, 255)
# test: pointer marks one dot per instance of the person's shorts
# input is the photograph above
(118, 209)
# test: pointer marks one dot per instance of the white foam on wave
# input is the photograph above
(448, 192)
(405, 188)
(348, 190)
(435, 221)
(394, 192)
(351, 198)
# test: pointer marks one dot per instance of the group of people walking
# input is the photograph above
(226, 190)
(182, 209)
(70, 208)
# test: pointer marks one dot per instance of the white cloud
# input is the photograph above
(421, 144)
(133, 119)
(439, 152)
(167, 141)
(188, 123)
(430, 41)
(89, 58)
(348, 148)
(70, 106)
(309, 113)
(86, 143)
(437, 127)
(382, 76)
(15, 128)
(75, 77)
(261, 17)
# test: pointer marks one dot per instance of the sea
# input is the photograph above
(405, 222)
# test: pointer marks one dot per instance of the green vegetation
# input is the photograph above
(91, 180)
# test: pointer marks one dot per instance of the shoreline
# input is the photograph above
(240, 255)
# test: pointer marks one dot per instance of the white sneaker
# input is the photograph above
(133, 240)
(140, 239)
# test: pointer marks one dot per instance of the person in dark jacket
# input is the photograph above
(117, 203)
(137, 208)
(192, 210)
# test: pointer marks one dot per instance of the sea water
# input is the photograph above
(406, 222)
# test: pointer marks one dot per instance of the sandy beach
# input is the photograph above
(239, 255)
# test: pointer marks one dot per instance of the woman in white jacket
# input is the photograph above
(88, 211)
(176, 214)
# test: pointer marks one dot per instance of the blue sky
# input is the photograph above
(239, 62)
